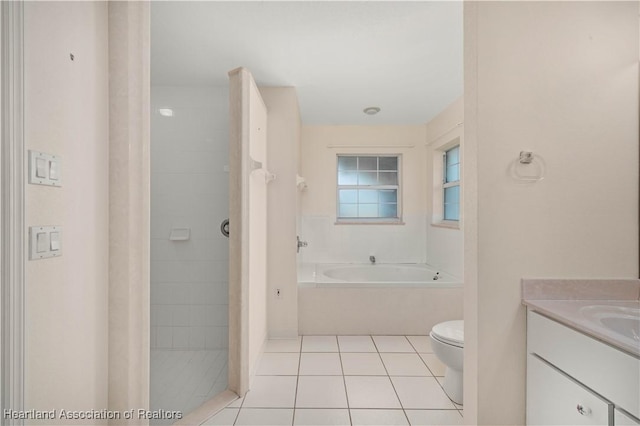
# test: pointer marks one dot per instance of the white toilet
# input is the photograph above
(447, 342)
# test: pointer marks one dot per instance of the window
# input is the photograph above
(368, 188)
(451, 184)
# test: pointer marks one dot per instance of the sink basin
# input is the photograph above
(629, 327)
(620, 320)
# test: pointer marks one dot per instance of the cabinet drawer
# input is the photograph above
(612, 373)
(555, 399)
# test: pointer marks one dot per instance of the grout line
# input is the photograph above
(427, 365)
(345, 386)
(235, 420)
(344, 382)
(394, 386)
(374, 344)
(244, 398)
(295, 397)
(391, 381)
(447, 395)
(412, 345)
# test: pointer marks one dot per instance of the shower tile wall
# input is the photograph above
(189, 189)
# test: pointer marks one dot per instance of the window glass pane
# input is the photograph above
(453, 173)
(348, 210)
(347, 163)
(347, 178)
(367, 210)
(388, 178)
(367, 196)
(360, 182)
(452, 211)
(452, 195)
(367, 163)
(388, 163)
(388, 210)
(367, 178)
(453, 156)
(388, 195)
(348, 196)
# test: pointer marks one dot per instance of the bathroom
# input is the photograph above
(190, 179)
(556, 216)
(308, 151)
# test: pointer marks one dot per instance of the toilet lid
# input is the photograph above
(451, 332)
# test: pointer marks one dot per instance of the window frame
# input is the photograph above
(397, 220)
(437, 150)
(451, 184)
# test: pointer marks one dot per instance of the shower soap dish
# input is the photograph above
(180, 234)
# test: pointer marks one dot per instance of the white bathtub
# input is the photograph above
(375, 299)
(375, 275)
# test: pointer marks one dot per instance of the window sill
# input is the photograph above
(368, 222)
(448, 224)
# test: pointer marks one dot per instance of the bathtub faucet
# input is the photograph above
(372, 259)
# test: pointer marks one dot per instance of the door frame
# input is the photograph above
(12, 236)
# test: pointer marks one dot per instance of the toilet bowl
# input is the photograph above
(447, 342)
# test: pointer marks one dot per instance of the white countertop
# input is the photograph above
(576, 314)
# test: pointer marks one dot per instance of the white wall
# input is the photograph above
(283, 151)
(66, 114)
(559, 79)
(444, 244)
(189, 188)
(257, 212)
(329, 242)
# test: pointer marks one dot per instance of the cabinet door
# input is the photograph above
(622, 419)
(555, 399)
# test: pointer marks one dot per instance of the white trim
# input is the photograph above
(373, 221)
(129, 265)
(369, 146)
(442, 135)
(239, 168)
(447, 224)
(12, 206)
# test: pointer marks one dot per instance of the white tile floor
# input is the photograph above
(182, 380)
(345, 380)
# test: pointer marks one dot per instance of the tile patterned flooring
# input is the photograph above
(182, 380)
(345, 380)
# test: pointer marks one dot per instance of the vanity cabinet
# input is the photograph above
(622, 419)
(556, 399)
(573, 379)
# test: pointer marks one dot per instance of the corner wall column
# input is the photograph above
(12, 253)
(129, 141)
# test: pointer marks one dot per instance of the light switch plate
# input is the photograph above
(43, 241)
(41, 168)
(53, 170)
(44, 169)
(54, 241)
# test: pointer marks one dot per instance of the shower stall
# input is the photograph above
(208, 206)
(189, 254)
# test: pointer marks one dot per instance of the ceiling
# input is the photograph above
(342, 56)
